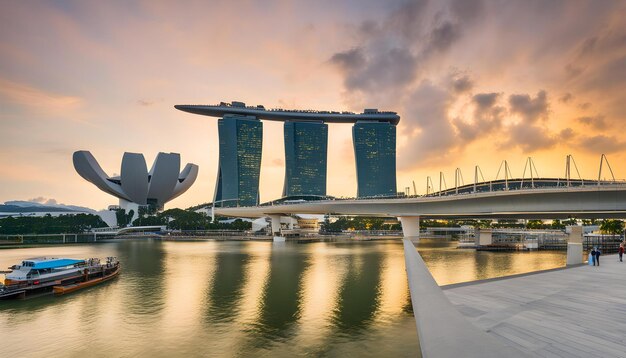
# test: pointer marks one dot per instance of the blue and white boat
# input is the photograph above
(42, 274)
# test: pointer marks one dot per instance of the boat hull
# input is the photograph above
(64, 289)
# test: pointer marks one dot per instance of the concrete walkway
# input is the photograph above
(577, 312)
(443, 331)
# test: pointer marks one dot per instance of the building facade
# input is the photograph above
(239, 169)
(137, 187)
(306, 141)
(375, 155)
(306, 145)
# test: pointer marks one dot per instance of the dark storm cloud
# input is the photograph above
(530, 109)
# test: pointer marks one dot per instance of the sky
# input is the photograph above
(475, 83)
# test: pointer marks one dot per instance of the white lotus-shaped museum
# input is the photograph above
(135, 184)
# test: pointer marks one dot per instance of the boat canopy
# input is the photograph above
(53, 263)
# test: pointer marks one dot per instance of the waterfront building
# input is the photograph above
(306, 142)
(136, 186)
(239, 168)
(375, 155)
(306, 146)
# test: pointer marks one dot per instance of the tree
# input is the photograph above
(535, 224)
(612, 227)
(49, 224)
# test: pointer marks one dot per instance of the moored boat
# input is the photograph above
(56, 275)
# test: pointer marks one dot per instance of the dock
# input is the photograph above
(574, 312)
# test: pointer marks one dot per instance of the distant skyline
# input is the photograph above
(475, 82)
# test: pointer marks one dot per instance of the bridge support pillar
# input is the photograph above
(575, 245)
(485, 237)
(410, 226)
(275, 219)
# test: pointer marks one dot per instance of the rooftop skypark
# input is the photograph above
(279, 114)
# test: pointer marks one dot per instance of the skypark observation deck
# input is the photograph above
(278, 114)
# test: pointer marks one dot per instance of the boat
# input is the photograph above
(43, 275)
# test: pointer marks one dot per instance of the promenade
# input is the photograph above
(575, 312)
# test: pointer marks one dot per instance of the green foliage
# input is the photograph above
(536, 224)
(587, 222)
(49, 225)
(123, 219)
(357, 223)
(178, 219)
(612, 227)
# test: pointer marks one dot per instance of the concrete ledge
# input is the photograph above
(442, 330)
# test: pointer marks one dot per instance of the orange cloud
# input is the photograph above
(25, 95)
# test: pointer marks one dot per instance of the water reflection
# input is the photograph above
(225, 293)
(243, 298)
(359, 293)
(282, 297)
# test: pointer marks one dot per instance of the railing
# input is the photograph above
(494, 186)
(312, 111)
(47, 239)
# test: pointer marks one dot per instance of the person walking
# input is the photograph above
(592, 256)
(598, 253)
(621, 252)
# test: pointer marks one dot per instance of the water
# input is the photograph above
(242, 299)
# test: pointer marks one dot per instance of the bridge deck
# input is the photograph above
(577, 312)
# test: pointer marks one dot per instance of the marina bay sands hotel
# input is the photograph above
(306, 141)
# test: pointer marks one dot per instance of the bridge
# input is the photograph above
(589, 201)
(127, 230)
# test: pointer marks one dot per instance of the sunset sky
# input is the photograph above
(475, 82)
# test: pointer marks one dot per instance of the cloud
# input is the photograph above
(462, 84)
(350, 60)
(566, 98)
(428, 129)
(530, 109)
(597, 122)
(43, 200)
(487, 117)
(379, 70)
(29, 96)
(444, 35)
(529, 138)
(566, 134)
(603, 144)
(145, 102)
